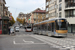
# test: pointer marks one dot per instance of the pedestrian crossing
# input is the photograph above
(57, 42)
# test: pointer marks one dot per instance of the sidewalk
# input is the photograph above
(71, 34)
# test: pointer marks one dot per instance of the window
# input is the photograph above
(60, 0)
(73, 28)
(46, 15)
(69, 28)
(74, 12)
(60, 15)
(37, 13)
(37, 17)
(47, 3)
(55, 6)
(52, 7)
(70, 3)
(46, 9)
(70, 13)
(60, 7)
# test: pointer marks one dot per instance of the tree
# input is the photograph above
(12, 21)
(23, 21)
(20, 20)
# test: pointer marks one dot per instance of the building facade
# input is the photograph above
(51, 9)
(2, 5)
(66, 9)
(39, 15)
(3, 17)
(63, 9)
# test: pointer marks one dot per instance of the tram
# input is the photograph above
(52, 27)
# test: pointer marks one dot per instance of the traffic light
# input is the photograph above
(29, 19)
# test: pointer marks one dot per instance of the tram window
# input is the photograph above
(49, 27)
(52, 27)
(45, 27)
(61, 26)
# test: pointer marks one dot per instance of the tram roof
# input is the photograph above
(49, 20)
(52, 20)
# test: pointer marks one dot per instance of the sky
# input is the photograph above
(25, 6)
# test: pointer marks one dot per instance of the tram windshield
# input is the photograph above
(61, 25)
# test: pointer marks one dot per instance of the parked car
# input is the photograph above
(16, 29)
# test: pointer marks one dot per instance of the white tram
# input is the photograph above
(53, 27)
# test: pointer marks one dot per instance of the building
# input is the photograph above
(24, 16)
(32, 18)
(3, 17)
(21, 15)
(62, 9)
(38, 15)
(2, 5)
(67, 10)
(28, 17)
(51, 9)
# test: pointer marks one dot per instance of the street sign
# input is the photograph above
(29, 19)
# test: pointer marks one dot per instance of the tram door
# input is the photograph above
(52, 27)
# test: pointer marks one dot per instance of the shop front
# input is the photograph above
(0, 26)
(5, 25)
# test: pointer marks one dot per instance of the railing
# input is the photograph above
(69, 5)
(69, 16)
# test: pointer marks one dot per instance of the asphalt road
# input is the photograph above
(23, 41)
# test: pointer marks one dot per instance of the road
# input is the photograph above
(29, 41)
(23, 41)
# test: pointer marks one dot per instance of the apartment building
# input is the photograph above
(28, 18)
(24, 16)
(66, 9)
(51, 9)
(63, 9)
(39, 15)
(2, 5)
(3, 17)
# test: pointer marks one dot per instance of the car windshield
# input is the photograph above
(17, 27)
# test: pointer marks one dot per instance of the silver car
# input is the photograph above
(17, 29)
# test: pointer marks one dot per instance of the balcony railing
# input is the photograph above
(47, 3)
(69, 4)
(69, 16)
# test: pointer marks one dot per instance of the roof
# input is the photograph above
(53, 19)
(39, 11)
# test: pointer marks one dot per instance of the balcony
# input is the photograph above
(47, 16)
(47, 4)
(69, 3)
(47, 0)
(70, 13)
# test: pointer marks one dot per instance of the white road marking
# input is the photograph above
(47, 42)
(14, 41)
(28, 41)
(64, 44)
